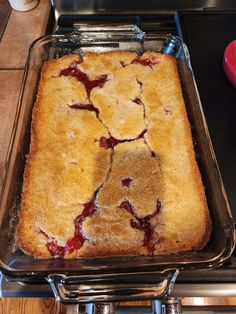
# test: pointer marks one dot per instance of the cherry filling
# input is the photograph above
(109, 142)
(89, 209)
(126, 182)
(145, 61)
(143, 224)
(112, 141)
(55, 249)
(88, 107)
(79, 61)
(83, 78)
(78, 240)
(52, 246)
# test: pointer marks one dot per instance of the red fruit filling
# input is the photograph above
(79, 61)
(88, 107)
(145, 61)
(143, 224)
(78, 240)
(75, 243)
(126, 182)
(55, 249)
(83, 78)
(112, 141)
(109, 142)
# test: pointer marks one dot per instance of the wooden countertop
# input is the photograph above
(17, 31)
(21, 30)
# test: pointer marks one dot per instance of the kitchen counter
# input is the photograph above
(17, 31)
(21, 29)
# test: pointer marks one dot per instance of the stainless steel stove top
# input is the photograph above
(18, 289)
(21, 290)
(137, 7)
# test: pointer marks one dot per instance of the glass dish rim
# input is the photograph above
(213, 262)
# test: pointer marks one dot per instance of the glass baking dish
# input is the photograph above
(16, 264)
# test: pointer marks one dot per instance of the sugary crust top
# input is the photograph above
(111, 169)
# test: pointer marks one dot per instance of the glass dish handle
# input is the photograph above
(72, 289)
(174, 46)
(106, 33)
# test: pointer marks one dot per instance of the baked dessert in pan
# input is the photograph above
(111, 169)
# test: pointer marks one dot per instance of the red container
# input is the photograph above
(229, 62)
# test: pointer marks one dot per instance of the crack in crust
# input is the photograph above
(72, 244)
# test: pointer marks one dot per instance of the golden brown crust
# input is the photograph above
(133, 161)
(118, 154)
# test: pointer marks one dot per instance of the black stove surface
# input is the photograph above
(207, 34)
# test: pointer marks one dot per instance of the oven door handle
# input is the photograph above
(78, 289)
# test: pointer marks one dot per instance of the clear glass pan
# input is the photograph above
(16, 264)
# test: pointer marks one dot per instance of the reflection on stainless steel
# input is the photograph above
(107, 308)
(70, 289)
(171, 306)
(74, 309)
(205, 290)
(18, 289)
(156, 307)
(131, 6)
(167, 306)
(93, 7)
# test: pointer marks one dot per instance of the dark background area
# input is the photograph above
(207, 34)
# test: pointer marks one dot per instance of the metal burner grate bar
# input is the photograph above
(149, 23)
